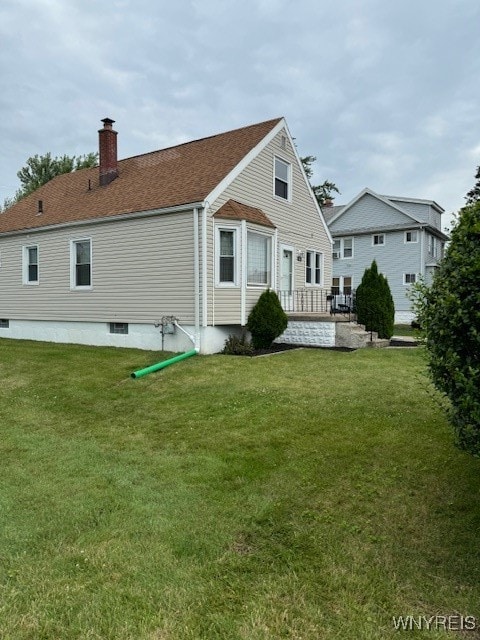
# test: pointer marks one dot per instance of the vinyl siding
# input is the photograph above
(298, 222)
(369, 212)
(141, 269)
(393, 259)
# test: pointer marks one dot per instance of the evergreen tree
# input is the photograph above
(449, 314)
(374, 303)
(267, 320)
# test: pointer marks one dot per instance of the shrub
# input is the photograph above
(267, 320)
(235, 346)
(374, 303)
(449, 313)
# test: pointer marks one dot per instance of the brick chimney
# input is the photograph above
(107, 140)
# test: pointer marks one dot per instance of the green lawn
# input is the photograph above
(405, 330)
(308, 495)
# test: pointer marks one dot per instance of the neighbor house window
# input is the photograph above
(282, 179)
(411, 236)
(258, 258)
(342, 285)
(343, 248)
(378, 239)
(81, 264)
(409, 278)
(313, 267)
(227, 256)
(118, 327)
(30, 265)
(432, 246)
(4, 324)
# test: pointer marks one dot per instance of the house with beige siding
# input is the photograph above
(403, 235)
(166, 248)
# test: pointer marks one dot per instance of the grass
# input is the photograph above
(405, 330)
(311, 494)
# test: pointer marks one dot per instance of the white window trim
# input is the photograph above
(342, 248)
(73, 264)
(236, 256)
(289, 180)
(408, 284)
(315, 252)
(411, 241)
(258, 285)
(25, 265)
(379, 244)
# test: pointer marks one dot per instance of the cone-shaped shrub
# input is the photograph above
(267, 320)
(374, 303)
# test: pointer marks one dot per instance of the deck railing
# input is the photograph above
(323, 301)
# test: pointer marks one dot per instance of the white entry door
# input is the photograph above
(286, 279)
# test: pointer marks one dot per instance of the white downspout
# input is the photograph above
(196, 280)
(422, 252)
(243, 274)
(204, 267)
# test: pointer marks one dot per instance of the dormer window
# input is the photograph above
(283, 172)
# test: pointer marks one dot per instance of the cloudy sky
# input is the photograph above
(384, 94)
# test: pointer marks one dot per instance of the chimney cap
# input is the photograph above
(107, 123)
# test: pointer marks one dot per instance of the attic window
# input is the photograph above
(282, 179)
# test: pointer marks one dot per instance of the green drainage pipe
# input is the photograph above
(162, 365)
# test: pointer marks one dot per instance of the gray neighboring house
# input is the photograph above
(404, 236)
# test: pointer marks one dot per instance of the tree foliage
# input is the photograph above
(267, 320)
(324, 193)
(39, 170)
(449, 314)
(374, 303)
(474, 194)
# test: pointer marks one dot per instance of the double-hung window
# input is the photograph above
(343, 248)
(81, 264)
(30, 264)
(313, 267)
(282, 179)
(227, 257)
(258, 258)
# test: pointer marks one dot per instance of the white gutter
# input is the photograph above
(185, 208)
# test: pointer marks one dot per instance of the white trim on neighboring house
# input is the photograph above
(383, 199)
(378, 235)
